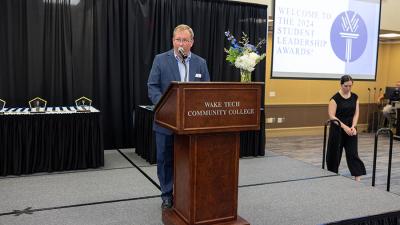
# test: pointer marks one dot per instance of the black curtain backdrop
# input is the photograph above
(61, 50)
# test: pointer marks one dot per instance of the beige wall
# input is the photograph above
(393, 63)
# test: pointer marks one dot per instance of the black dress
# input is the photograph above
(338, 138)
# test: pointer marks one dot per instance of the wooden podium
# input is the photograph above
(206, 118)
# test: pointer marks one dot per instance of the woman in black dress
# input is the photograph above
(344, 106)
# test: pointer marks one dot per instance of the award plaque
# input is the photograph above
(83, 104)
(37, 105)
(2, 106)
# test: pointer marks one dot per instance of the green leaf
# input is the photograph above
(232, 55)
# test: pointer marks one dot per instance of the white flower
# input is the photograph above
(254, 56)
(242, 54)
(246, 62)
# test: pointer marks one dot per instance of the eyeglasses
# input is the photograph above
(184, 41)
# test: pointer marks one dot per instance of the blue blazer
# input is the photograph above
(164, 70)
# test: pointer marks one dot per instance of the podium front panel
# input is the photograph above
(210, 107)
(206, 170)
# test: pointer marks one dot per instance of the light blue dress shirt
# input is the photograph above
(182, 67)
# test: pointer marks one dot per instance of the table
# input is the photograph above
(60, 139)
(252, 143)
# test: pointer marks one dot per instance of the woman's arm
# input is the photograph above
(332, 112)
(355, 118)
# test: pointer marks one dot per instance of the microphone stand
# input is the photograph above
(369, 102)
(378, 111)
(184, 63)
(373, 112)
(183, 60)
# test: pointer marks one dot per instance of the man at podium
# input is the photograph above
(177, 64)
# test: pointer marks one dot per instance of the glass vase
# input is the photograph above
(245, 76)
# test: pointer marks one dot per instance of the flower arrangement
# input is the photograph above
(243, 55)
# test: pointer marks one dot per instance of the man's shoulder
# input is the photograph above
(197, 57)
(164, 54)
(162, 59)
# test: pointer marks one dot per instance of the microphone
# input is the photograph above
(182, 53)
(183, 57)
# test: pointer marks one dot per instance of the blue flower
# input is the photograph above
(241, 48)
(250, 47)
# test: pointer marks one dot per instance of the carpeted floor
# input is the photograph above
(272, 190)
(309, 149)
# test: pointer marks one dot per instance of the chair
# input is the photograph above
(388, 114)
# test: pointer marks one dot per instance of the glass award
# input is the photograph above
(37, 105)
(83, 104)
(2, 106)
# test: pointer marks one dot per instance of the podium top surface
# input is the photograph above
(209, 107)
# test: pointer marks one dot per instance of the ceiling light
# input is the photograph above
(72, 2)
(389, 35)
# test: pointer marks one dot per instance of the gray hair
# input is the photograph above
(183, 27)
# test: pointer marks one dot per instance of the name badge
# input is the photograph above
(198, 75)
